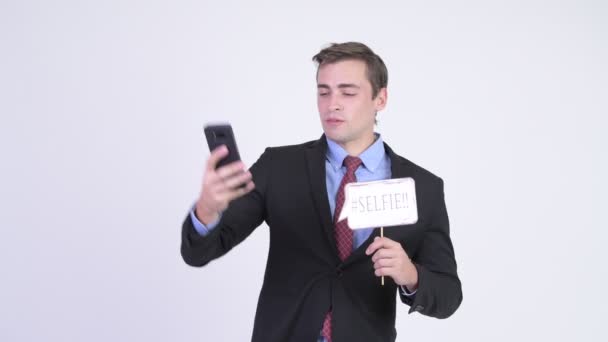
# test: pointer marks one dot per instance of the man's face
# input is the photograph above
(344, 100)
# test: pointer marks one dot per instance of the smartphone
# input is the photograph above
(218, 135)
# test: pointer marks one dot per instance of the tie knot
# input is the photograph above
(352, 163)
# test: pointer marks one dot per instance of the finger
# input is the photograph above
(384, 253)
(239, 192)
(380, 242)
(236, 193)
(239, 179)
(230, 170)
(373, 247)
(216, 155)
(388, 243)
(384, 263)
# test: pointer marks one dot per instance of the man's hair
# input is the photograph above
(376, 70)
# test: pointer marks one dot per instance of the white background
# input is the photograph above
(102, 107)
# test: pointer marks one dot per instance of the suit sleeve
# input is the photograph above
(439, 291)
(238, 221)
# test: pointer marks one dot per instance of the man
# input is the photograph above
(322, 279)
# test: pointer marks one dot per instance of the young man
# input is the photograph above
(322, 279)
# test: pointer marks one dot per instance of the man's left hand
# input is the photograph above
(391, 260)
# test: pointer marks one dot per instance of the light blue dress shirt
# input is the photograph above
(376, 165)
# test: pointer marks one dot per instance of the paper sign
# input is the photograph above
(384, 203)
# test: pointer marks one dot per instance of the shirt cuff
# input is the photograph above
(405, 292)
(201, 228)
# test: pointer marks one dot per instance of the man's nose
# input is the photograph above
(335, 105)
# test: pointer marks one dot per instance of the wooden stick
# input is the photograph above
(382, 235)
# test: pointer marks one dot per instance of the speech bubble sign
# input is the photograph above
(384, 203)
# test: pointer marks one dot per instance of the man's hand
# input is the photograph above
(221, 186)
(391, 260)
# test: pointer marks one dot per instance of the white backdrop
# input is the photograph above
(102, 107)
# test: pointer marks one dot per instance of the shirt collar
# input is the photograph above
(371, 157)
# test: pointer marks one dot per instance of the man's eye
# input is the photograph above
(349, 94)
(323, 94)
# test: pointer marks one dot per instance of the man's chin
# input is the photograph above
(339, 138)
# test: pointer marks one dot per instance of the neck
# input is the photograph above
(355, 148)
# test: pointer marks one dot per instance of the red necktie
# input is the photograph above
(343, 234)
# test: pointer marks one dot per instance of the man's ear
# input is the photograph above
(381, 99)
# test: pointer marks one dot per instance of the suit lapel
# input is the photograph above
(315, 157)
(399, 167)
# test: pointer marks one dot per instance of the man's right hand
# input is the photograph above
(221, 186)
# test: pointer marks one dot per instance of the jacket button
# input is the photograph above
(339, 272)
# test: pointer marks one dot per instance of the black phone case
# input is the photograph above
(222, 135)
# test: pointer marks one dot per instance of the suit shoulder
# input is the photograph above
(288, 150)
(419, 170)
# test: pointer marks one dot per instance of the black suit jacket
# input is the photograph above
(304, 276)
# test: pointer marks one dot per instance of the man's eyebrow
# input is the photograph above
(341, 86)
(348, 85)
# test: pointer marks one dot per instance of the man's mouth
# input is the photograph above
(333, 121)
